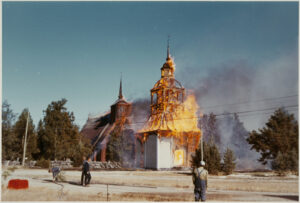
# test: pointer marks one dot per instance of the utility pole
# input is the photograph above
(55, 143)
(202, 147)
(25, 141)
(107, 192)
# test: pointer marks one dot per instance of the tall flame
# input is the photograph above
(182, 119)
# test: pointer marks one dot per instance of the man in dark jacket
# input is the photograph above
(85, 177)
(200, 182)
(88, 177)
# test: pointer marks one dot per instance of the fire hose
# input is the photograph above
(60, 192)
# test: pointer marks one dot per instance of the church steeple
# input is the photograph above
(168, 49)
(120, 90)
(169, 67)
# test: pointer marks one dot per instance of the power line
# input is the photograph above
(256, 114)
(250, 111)
(254, 101)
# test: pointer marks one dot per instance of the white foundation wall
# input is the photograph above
(165, 158)
(158, 152)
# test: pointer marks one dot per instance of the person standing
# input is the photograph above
(85, 169)
(200, 182)
(88, 177)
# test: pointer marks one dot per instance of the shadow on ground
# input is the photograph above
(69, 182)
(289, 197)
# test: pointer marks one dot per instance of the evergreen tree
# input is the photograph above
(8, 136)
(277, 141)
(239, 138)
(59, 137)
(228, 161)
(285, 162)
(121, 146)
(31, 142)
(40, 138)
(211, 156)
(210, 129)
(114, 149)
(83, 147)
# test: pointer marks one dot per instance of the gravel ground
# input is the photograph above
(149, 186)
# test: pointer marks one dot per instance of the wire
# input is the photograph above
(254, 110)
(246, 102)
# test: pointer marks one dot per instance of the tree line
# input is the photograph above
(276, 142)
(55, 137)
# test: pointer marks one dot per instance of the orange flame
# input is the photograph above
(182, 119)
(178, 157)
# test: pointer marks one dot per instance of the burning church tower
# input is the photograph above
(171, 134)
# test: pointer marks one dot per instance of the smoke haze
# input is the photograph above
(237, 86)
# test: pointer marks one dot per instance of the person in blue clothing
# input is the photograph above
(200, 182)
(55, 171)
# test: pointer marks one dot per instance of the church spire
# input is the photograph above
(120, 90)
(168, 49)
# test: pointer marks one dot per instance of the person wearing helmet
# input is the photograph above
(200, 182)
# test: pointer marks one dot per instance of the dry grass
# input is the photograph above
(36, 194)
(220, 188)
(255, 185)
(161, 197)
(165, 197)
(46, 194)
(242, 184)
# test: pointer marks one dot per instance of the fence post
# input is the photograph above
(107, 192)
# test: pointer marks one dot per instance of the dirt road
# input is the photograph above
(149, 186)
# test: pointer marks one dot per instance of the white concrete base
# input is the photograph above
(158, 153)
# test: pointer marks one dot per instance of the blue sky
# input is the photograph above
(77, 50)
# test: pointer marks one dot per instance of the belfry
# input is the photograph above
(171, 134)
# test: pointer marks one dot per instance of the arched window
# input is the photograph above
(154, 98)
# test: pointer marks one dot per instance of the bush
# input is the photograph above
(43, 163)
(228, 159)
(6, 173)
(211, 156)
(285, 162)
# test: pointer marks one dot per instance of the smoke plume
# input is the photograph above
(237, 86)
(140, 113)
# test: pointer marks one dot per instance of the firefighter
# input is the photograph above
(200, 182)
